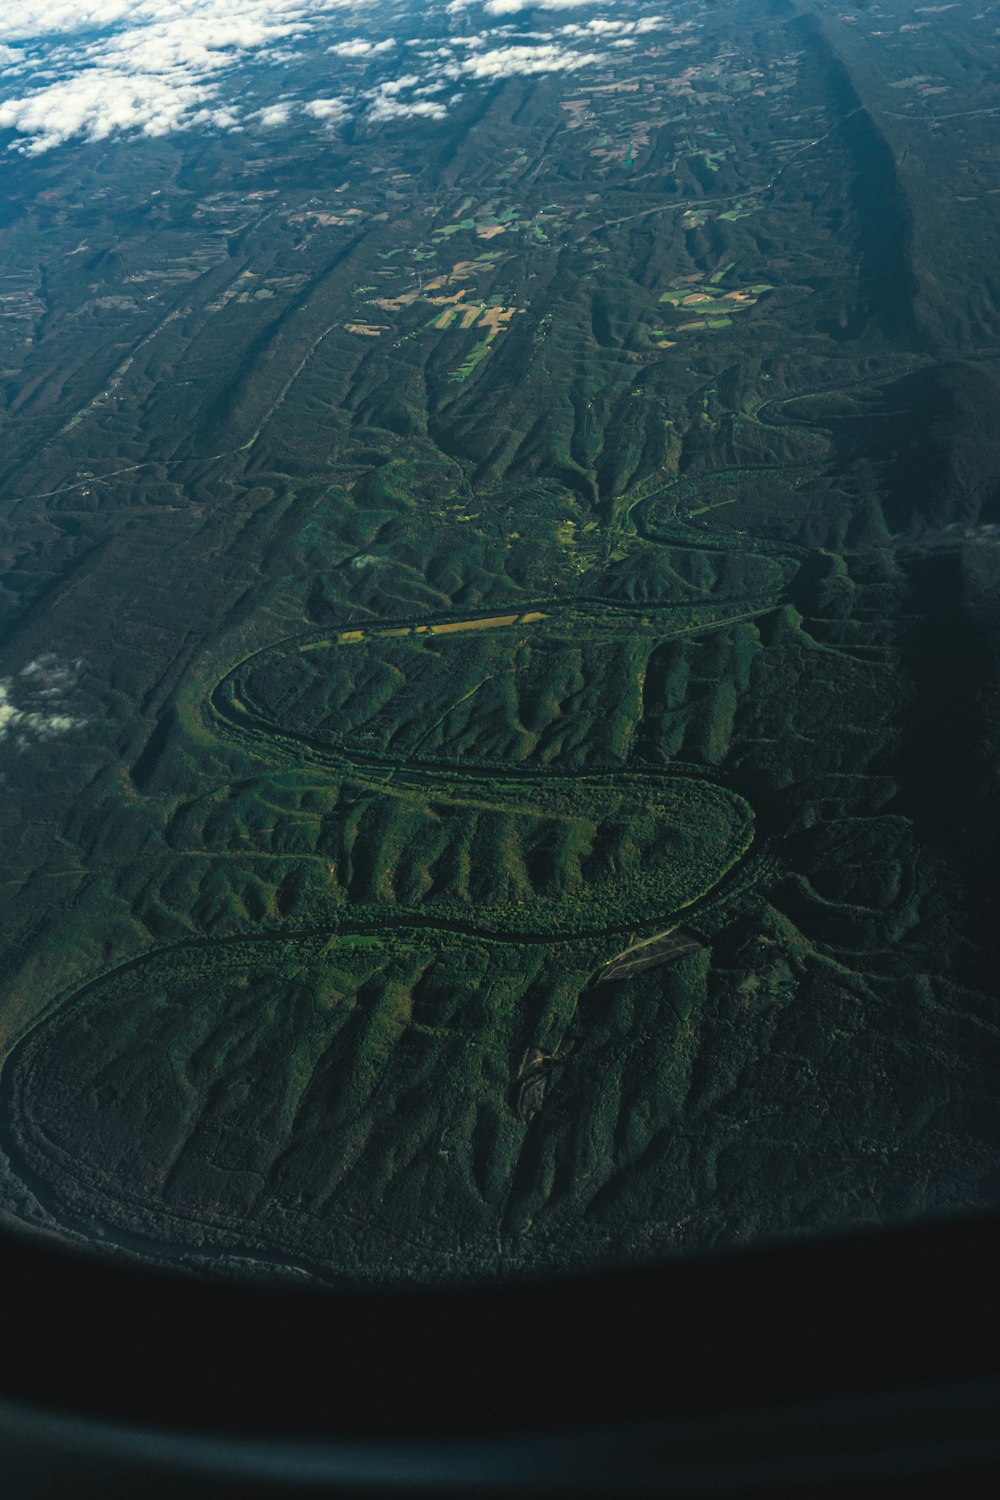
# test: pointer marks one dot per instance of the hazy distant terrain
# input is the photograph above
(500, 608)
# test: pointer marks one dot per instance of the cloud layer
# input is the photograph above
(86, 70)
(33, 705)
(151, 67)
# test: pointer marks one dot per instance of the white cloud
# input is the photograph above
(399, 109)
(274, 114)
(104, 101)
(512, 7)
(385, 101)
(326, 109)
(598, 27)
(360, 46)
(506, 62)
(33, 705)
(398, 85)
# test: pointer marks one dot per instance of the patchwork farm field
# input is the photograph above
(499, 705)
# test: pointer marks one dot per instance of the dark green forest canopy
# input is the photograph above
(499, 697)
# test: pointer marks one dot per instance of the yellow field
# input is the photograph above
(450, 627)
